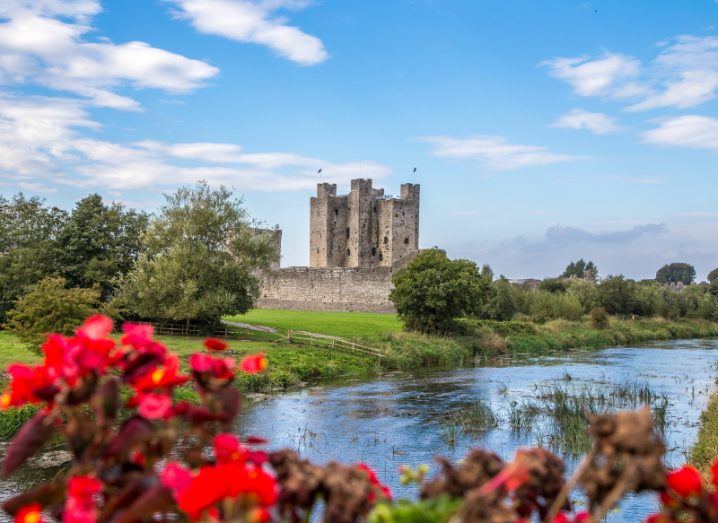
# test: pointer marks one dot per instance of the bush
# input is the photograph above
(547, 306)
(600, 318)
(617, 295)
(50, 307)
(433, 291)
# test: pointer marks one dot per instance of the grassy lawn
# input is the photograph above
(343, 324)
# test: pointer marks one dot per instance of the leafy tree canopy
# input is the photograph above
(617, 295)
(50, 307)
(713, 276)
(199, 260)
(581, 270)
(100, 242)
(676, 273)
(29, 247)
(432, 291)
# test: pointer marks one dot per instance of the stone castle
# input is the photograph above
(356, 243)
(365, 228)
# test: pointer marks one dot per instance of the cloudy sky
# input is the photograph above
(541, 131)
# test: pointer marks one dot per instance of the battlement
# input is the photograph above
(363, 228)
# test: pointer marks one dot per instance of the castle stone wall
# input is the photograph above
(331, 289)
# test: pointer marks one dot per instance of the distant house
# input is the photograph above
(527, 283)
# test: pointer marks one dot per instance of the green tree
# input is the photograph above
(500, 306)
(100, 242)
(617, 295)
(199, 261)
(29, 246)
(554, 285)
(432, 291)
(676, 273)
(713, 276)
(581, 270)
(50, 307)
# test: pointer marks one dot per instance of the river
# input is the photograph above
(407, 418)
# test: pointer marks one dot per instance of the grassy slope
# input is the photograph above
(705, 451)
(344, 324)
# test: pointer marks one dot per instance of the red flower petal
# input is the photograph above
(96, 327)
(215, 344)
(254, 364)
(685, 481)
(155, 406)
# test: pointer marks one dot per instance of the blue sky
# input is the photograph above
(541, 131)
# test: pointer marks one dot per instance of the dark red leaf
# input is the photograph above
(45, 494)
(231, 400)
(32, 436)
(153, 499)
(133, 432)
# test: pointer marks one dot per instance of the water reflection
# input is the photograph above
(401, 419)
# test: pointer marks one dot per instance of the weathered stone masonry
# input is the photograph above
(341, 289)
(356, 242)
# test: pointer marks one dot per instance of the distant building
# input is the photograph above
(364, 228)
(356, 243)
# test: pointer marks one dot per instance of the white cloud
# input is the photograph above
(687, 71)
(597, 123)
(255, 22)
(46, 141)
(612, 75)
(44, 42)
(700, 132)
(683, 74)
(494, 151)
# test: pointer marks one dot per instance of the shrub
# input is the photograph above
(547, 306)
(433, 291)
(600, 318)
(50, 307)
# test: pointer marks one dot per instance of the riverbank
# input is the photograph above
(705, 451)
(296, 362)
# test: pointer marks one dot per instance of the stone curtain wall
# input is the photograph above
(340, 289)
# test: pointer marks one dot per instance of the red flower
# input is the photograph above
(254, 363)
(215, 344)
(83, 487)
(175, 477)
(137, 334)
(154, 406)
(97, 327)
(165, 376)
(227, 448)
(374, 480)
(200, 362)
(80, 504)
(685, 481)
(220, 368)
(29, 514)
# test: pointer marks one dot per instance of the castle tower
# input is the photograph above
(364, 228)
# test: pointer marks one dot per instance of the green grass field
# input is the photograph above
(344, 324)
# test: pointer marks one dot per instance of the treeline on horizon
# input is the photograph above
(433, 291)
(195, 261)
(191, 262)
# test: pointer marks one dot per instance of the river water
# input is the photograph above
(405, 418)
(402, 418)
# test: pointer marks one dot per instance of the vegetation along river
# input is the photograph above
(409, 418)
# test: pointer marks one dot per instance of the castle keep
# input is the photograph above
(356, 242)
(364, 228)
